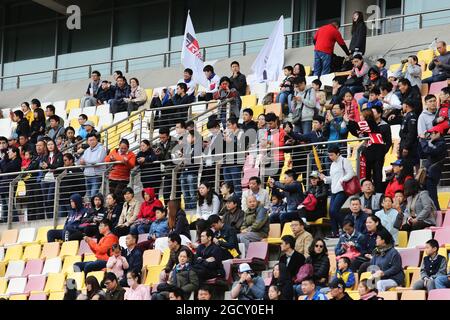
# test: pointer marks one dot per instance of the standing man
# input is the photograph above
(408, 135)
(238, 80)
(324, 41)
(96, 153)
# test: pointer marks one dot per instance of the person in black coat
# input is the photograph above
(409, 146)
(320, 191)
(10, 163)
(150, 171)
(291, 258)
(359, 33)
(318, 257)
(283, 280)
(237, 79)
(435, 150)
(225, 237)
(23, 126)
(37, 126)
(177, 220)
(73, 180)
(208, 258)
(180, 98)
(133, 256)
(113, 208)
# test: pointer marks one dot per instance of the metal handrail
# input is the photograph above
(230, 43)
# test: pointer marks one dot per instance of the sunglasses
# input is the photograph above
(319, 246)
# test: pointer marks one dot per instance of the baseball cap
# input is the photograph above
(337, 283)
(233, 198)
(244, 267)
(314, 174)
(398, 162)
(89, 123)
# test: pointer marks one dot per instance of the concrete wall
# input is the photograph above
(391, 46)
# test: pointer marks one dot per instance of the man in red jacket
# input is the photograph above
(324, 41)
(102, 249)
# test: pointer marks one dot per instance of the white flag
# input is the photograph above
(269, 62)
(191, 57)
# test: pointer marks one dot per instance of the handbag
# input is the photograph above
(310, 202)
(304, 272)
(352, 253)
(49, 177)
(351, 186)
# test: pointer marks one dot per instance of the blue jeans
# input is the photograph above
(284, 98)
(322, 63)
(189, 187)
(435, 78)
(336, 203)
(233, 175)
(87, 267)
(140, 229)
(48, 190)
(306, 126)
(442, 282)
(93, 184)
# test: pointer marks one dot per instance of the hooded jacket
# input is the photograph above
(75, 215)
(147, 210)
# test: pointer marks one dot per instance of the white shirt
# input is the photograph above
(394, 101)
(191, 85)
(341, 170)
(213, 84)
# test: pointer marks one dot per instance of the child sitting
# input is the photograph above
(381, 65)
(117, 263)
(441, 123)
(26, 160)
(351, 110)
(276, 206)
(159, 228)
(343, 272)
(433, 265)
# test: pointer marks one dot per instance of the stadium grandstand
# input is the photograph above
(127, 173)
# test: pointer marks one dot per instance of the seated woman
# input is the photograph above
(71, 230)
(366, 293)
(113, 208)
(389, 262)
(91, 220)
(129, 213)
(93, 290)
(147, 212)
(420, 211)
(208, 202)
(350, 242)
(136, 291)
(158, 229)
(401, 172)
(319, 190)
(226, 192)
(182, 276)
(282, 280)
(318, 257)
(388, 216)
(177, 223)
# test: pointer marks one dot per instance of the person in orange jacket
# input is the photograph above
(147, 212)
(102, 249)
(119, 177)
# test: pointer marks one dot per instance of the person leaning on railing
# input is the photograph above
(10, 163)
(96, 153)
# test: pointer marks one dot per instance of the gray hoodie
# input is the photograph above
(94, 156)
(308, 103)
(425, 121)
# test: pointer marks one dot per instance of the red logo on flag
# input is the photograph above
(193, 46)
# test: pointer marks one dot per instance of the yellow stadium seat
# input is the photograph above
(394, 67)
(55, 282)
(365, 276)
(41, 236)
(151, 257)
(274, 108)
(426, 74)
(165, 258)
(89, 257)
(56, 295)
(94, 119)
(32, 252)
(194, 218)
(72, 104)
(354, 295)
(69, 261)
(18, 297)
(3, 285)
(9, 237)
(74, 123)
(248, 101)
(69, 248)
(13, 253)
(286, 231)
(50, 250)
(79, 279)
(274, 230)
(402, 239)
(425, 56)
(444, 200)
(307, 70)
(257, 110)
(59, 227)
(149, 93)
(97, 274)
(153, 273)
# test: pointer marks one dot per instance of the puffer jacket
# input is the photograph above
(147, 210)
(257, 220)
(184, 278)
(321, 267)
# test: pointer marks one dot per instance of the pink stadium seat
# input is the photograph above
(35, 283)
(84, 248)
(228, 276)
(439, 218)
(445, 223)
(38, 296)
(33, 267)
(442, 236)
(256, 250)
(439, 294)
(410, 257)
(437, 86)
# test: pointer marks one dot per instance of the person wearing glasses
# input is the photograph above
(114, 291)
(318, 257)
